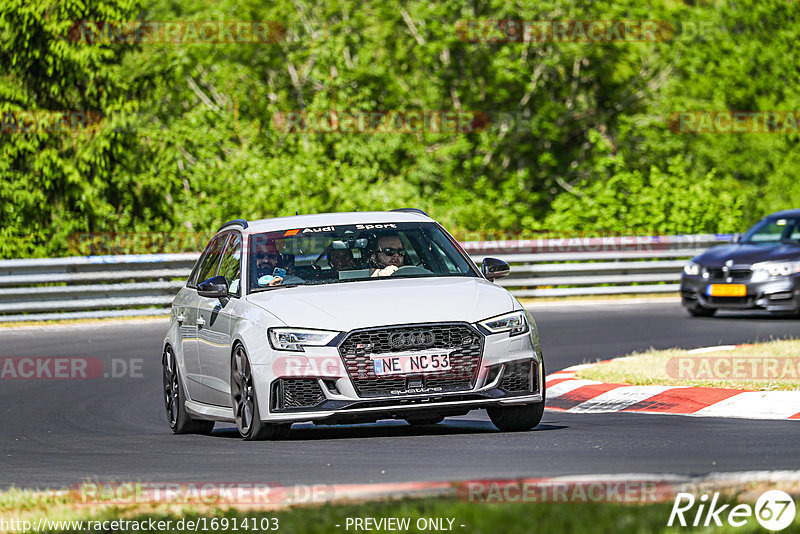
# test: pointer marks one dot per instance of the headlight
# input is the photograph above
(776, 268)
(691, 268)
(294, 339)
(514, 322)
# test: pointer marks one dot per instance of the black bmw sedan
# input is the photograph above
(760, 270)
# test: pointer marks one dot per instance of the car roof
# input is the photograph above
(785, 213)
(329, 219)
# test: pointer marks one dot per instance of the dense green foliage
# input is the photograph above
(188, 139)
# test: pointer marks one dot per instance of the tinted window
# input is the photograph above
(774, 231)
(211, 258)
(347, 253)
(231, 264)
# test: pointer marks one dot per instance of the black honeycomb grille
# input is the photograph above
(463, 342)
(292, 393)
(519, 377)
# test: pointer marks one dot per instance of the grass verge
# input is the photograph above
(769, 366)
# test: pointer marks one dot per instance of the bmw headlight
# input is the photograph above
(294, 339)
(691, 269)
(768, 269)
(515, 323)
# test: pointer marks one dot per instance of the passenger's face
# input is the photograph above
(341, 260)
(267, 256)
(394, 257)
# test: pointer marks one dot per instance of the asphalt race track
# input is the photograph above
(56, 433)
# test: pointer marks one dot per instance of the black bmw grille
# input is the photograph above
(461, 340)
(717, 273)
(517, 377)
(293, 393)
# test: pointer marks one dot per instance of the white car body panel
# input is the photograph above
(360, 304)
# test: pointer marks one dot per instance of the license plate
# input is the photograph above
(411, 363)
(726, 290)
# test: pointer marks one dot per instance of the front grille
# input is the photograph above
(518, 377)
(464, 343)
(293, 393)
(717, 273)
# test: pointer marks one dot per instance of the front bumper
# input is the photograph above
(507, 371)
(334, 410)
(774, 294)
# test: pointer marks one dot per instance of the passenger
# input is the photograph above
(341, 259)
(389, 255)
(267, 259)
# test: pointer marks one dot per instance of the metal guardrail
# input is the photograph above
(144, 284)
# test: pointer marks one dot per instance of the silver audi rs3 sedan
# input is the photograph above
(346, 318)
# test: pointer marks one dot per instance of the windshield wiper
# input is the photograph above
(267, 288)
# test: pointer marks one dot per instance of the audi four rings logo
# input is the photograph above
(412, 339)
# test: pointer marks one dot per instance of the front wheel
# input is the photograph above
(245, 403)
(174, 398)
(517, 418)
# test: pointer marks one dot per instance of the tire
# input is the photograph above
(174, 398)
(424, 420)
(519, 418)
(697, 310)
(245, 402)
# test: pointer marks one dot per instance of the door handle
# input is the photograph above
(200, 321)
(180, 318)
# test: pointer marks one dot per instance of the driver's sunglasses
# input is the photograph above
(392, 251)
(270, 255)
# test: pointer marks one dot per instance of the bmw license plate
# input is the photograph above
(411, 363)
(726, 290)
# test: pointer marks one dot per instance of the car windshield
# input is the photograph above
(774, 231)
(347, 253)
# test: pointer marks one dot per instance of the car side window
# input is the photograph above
(795, 235)
(231, 264)
(211, 259)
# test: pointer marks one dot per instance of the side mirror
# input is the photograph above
(737, 237)
(215, 287)
(492, 268)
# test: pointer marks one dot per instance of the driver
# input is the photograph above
(389, 255)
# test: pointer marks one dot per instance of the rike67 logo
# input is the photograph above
(774, 510)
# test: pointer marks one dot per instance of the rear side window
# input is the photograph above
(231, 264)
(211, 257)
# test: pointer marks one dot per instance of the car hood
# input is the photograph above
(744, 254)
(349, 305)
